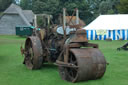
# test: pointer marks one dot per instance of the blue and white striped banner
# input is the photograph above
(113, 34)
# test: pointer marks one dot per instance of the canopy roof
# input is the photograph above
(109, 22)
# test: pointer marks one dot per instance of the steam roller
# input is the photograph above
(85, 60)
(76, 58)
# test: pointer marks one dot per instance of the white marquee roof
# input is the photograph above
(111, 22)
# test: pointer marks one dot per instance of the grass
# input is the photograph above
(13, 72)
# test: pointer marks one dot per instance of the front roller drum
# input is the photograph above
(90, 63)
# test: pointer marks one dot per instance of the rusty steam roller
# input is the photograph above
(67, 47)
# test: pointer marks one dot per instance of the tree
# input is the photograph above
(43, 6)
(26, 4)
(88, 9)
(93, 8)
(54, 7)
(123, 6)
(4, 4)
(109, 7)
(104, 7)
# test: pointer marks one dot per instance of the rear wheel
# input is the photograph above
(33, 56)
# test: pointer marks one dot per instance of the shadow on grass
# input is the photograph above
(2, 59)
(48, 66)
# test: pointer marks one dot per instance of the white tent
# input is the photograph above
(116, 27)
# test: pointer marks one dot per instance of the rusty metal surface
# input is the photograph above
(33, 53)
(80, 36)
(75, 63)
(78, 26)
(91, 62)
(42, 33)
(90, 45)
(91, 65)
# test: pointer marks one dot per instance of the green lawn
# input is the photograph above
(13, 72)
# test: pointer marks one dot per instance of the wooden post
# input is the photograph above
(35, 21)
(64, 22)
(77, 16)
(48, 17)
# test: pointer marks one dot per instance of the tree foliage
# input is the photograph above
(88, 9)
(55, 7)
(26, 4)
(123, 6)
(43, 6)
(108, 7)
(4, 4)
